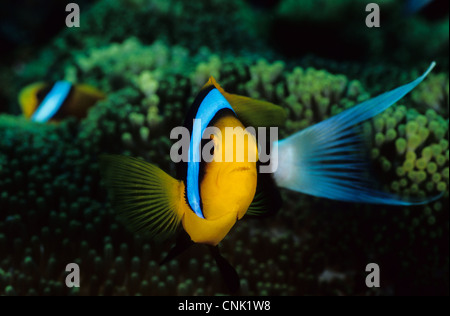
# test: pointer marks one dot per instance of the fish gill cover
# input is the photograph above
(314, 58)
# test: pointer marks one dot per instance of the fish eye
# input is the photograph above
(211, 151)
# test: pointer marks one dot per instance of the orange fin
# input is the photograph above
(145, 197)
(252, 112)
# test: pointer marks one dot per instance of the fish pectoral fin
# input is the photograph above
(252, 112)
(183, 242)
(267, 200)
(146, 198)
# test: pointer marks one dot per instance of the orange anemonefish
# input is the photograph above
(207, 198)
(42, 102)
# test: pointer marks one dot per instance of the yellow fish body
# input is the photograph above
(42, 102)
(227, 188)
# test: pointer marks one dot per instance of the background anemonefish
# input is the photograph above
(42, 102)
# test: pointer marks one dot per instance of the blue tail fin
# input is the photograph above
(327, 159)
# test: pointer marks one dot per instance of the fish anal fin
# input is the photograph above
(183, 242)
(229, 274)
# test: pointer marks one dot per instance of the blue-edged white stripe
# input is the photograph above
(211, 104)
(52, 102)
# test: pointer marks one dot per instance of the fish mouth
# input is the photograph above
(241, 169)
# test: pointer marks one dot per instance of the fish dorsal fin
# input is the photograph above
(212, 82)
(252, 112)
(267, 200)
(91, 91)
(145, 197)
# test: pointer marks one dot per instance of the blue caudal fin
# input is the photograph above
(327, 159)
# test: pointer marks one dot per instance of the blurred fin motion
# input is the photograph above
(327, 159)
(413, 6)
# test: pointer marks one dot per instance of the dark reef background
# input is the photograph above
(315, 58)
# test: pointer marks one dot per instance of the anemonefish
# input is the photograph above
(43, 102)
(208, 198)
